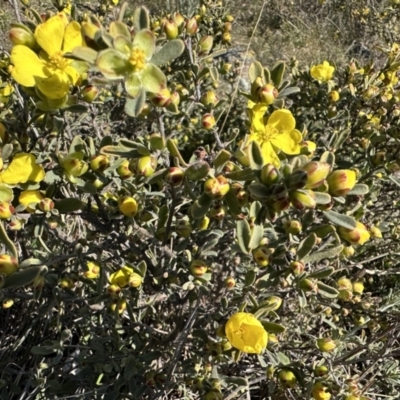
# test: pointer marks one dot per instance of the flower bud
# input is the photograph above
(292, 227)
(16, 224)
(6, 210)
(348, 251)
(118, 304)
(93, 270)
(344, 283)
(175, 176)
(198, 268)
(73, 164)
(22, 36)
(334, 96)
(8, 264)
(341, 182)
(191, 26)
(296, 180)
(162, 98)
(113, 290)
(287, 378)
(89, 93)
(345, 294)
(326, 345)
(296, 267)
(99, 163)
(3, 135)
(209, 98)
(321, 370)
(213, 394)
(308, 285)
(205, 44)
(230, 282)
(218, 212)
(208, 121)
(375, 232)
(358, 235)
(7, 303)
(269, 174)
(226, 37)
(135, 280)
(272, 303)
(123, 170)
(308, 148)
(179, 19)
(358, 287)
(302, 199)
(267, 94)
(319, 392)
(261, 256)
(204, 223)
(216, 188)
(183, 228)
(128, 206)
(46, 204)
(145, 166)
(171, 29)
(175, 98)
(316, 173)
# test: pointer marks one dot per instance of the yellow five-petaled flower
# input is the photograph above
(274, 134)
(49, 70)
(246, 333)
(322, 72)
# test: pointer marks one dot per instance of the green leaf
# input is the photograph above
(258, 191)
(169, 52)
(277, 73)
(112, 64)
(23, 277)
(255, 156)
(120, 151)
(118, 28)
(322, 198)
(7, 242)
(255, 71)
(249, 278)
(85, 54)
(222, 158)
(327, 291)
(173, 150)
(6, 193)
(339, 219)
(197, 171)
(214, 74)
(68, 205)
(141, 18)
(256, 236)
(360, 189)
(232, 202)
(272, 327)
(288, 91)
(200, 207)
(322, 273)
(305, 246)
(153, 79)
(243, 234)
(133, 106)
(320, 255)
(328, 157)
(243, 175)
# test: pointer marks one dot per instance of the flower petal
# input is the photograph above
(145, 41)
(27, 66)
(282, 120)
(32, 197)
(133, 85)
(55, 87)
(50, 34)
(153, 79)
(112, 64)
(23, 168)
(269, 155)
(72, 37)
(72, 73)
(288, 141)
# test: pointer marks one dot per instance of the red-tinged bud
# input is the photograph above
(123, 170)
(8, 264)
(280, 205)
(171, 29)
(119, 305)
(287, 378)
(205, 44)
(341, 182)
(267, 94)
(128, 206)
(326, 345)
(46, 204)
(218, 212)
(162, 98)
(226, 37)
(321, 370)
(16, 224)
(320, 391)
(292, 227)
(296, 180)
(216, 188)
(262, 255)
(302, 199)
(90, 93)
(308, 285)
(209, 98)
(227, 26)
(113, 291)
(6, 210)
(74, 166)
(179, 19)
(272, 303)
(230, 282)
(269, 174)
(183, 228)
(242, 197)
(208, 121)
(22, 36)
(144, 166)
(296, 267)
(7, 303)
(135, 280)
(198, 268)
(175, 176)
(345, 294)
(316, 173)
(344, 283)
(358, 235)
(99, 163)
(93, 270)
(192, 26)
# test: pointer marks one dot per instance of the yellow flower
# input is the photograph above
(93, 270)
(121, 277)
(23, 168)
(322, 72)
(50, 72)
(30, 197)
(246, 333)
(275, 133)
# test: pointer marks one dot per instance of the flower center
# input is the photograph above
(266, 135)
(57, 61)
(137, 59)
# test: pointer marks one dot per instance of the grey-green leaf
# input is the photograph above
(243, 234)
(320, 255)
(306, 246)
(340, 219)
(169, 52)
